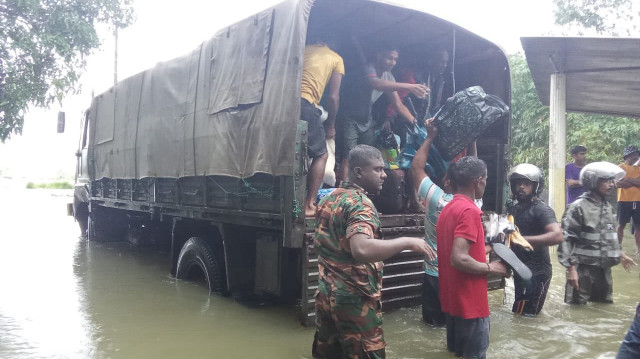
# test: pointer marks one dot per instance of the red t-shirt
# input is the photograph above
(462, 294)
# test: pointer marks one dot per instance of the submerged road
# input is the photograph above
(62, 297)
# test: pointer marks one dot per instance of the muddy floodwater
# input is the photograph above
(62, 297)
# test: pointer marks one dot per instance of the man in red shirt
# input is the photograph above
(462, 262)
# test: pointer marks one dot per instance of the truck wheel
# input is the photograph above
(197, 260)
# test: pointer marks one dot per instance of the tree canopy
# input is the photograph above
(43, 49)
(602, 17)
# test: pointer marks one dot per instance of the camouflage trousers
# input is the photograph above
(348, 326)
(595, 285)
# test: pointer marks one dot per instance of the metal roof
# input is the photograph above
(603, 74)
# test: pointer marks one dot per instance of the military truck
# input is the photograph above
(205, 154)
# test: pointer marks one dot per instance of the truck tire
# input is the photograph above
(197, 259)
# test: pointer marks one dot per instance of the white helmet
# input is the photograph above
(593, 172)
(530, 172)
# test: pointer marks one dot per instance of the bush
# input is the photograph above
(52, 185)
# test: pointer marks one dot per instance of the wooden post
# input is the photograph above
(557, 142)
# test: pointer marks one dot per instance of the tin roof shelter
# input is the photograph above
(579, 74)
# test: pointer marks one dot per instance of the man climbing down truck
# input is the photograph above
(321, 66)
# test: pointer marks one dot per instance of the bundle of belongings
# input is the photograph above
(460, 120)
(501, 233)
(464, 117)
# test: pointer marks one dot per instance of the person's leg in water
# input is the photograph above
(624, 217)
(314, 181)
(635, 222)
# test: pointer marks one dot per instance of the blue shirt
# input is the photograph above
(432, 199)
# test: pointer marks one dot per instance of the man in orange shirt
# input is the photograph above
(629, 194)
(322, 66)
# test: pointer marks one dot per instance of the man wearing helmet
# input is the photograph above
(590, 247)
(629, 194)
(537, 223)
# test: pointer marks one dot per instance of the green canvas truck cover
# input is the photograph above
(216, 110)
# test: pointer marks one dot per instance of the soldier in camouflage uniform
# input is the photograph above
(590, 247)
(350, 250)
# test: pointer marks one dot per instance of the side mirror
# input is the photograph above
(61, 122)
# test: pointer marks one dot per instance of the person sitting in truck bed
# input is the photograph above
(321, 66)
(433, 75)
(363, 92)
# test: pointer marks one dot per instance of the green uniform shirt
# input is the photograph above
(340, 215)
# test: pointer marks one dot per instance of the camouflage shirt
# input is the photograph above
(340, 215)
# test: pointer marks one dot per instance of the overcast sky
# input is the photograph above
(164, 30)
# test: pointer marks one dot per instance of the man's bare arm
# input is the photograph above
(401, 108)
(333, 104)
(420, 159)
(552, 235)
(366, 249)
(573, 183)
(462, 261)
(389, 86)
(472, 149)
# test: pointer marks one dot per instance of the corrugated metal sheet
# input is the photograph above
(603, 74)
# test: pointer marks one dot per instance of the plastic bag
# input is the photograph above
(436, 166)
(463, 117)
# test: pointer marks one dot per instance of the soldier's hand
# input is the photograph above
(499, 268)
(627, 262)
(572, 277)
(420, 245)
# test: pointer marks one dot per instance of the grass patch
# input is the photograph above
(52, 185)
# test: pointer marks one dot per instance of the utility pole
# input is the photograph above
(557, 142)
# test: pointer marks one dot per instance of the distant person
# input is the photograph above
(348, 240)
(434, 77)
(321, 66)
(629, 194)
(432, 197)
(363, 91)
(462, 264)
(572, 173)
(538, 224)
(590, 247)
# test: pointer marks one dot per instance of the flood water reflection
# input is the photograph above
(62, 297)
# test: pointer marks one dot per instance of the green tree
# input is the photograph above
(43, 45)
(604, 17)
(604, 136)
